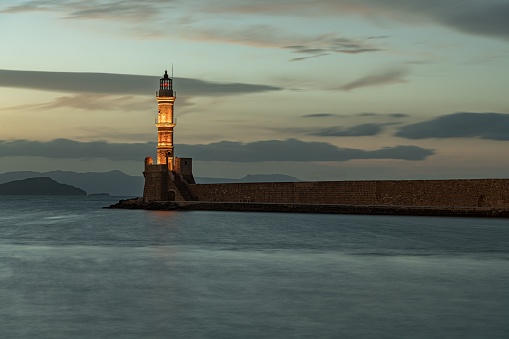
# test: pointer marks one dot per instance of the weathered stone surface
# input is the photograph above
(438, 193)
(474, 197)
(139, 203)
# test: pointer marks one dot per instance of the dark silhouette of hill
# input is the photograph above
(249, 178)
(39, 186)
(117, 183)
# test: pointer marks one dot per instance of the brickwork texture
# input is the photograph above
(438, 193)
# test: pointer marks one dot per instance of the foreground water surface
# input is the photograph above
(70, 269)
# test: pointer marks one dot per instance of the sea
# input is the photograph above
(71, 269)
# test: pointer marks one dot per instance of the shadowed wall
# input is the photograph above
(453, 193)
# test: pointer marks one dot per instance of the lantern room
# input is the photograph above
(165, 86)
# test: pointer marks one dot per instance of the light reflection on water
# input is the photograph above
(71, 269)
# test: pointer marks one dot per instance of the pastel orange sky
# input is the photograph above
(317, 89)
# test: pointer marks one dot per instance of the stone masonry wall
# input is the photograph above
(351, 192)
(453, 193)
(156, 182)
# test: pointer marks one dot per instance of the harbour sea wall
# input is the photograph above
(140, 203)
(491, 193)
(460, 198)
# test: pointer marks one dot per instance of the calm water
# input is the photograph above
(69, 269)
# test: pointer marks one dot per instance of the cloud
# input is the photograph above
(138, 10)
(320, 115)
(123, 84)
(489, 18)
(270, 150)
(97, 9)
(92, 101)
(492, 126)
(65, 148)
(391, 115)
(307, 57)
(265, 36)
(386, 77)
(480, 17)
(295, 150)
(324, 45)
(158, 19)
(98, 102)
(365, 114)
(354, 131)
(28, 6)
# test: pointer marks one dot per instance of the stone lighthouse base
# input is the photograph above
(163, 184)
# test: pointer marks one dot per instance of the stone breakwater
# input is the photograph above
(139, 203)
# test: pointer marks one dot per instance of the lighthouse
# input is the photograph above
(170, 177)
(165, 122)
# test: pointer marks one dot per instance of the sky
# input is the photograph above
(316, 89)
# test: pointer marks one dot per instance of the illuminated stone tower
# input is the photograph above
(165, 122)
(169, 179)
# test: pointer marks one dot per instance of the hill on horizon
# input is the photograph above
(39, 186)
(249, 178)
(117, 183)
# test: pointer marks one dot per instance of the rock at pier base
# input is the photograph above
(139, 203)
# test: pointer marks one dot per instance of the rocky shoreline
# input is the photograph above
(139, 203)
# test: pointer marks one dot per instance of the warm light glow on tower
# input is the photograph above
(165, 121)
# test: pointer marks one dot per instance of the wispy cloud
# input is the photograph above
(265, 36)
(152, 22)
(340, 125)
(321, 115)
(325, 45)
(30, 6)
(97, 9)
(65, 148)
(386, 77)
(119, 84)
(390, 115)
(486, 17)
(295, 150)
(91, 101)
(97, 102)
(354, 131)
(271, 150)
(492, 126)
(308, 57)
(119, 134)
(128, 10)
(364, 115)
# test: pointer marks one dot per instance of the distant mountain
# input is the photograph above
(115, 183)
(249, 178)
(38, 186)
(268, 178)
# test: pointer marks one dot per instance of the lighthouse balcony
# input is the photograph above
(165, 124)
(164, 93)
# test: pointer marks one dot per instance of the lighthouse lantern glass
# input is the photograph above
(165, 83)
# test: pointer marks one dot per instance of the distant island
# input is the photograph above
(249, 178)
(117, 183)
(39, 186)
(114, 183)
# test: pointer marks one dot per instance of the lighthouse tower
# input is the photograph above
(165, 122)
(170, 178)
